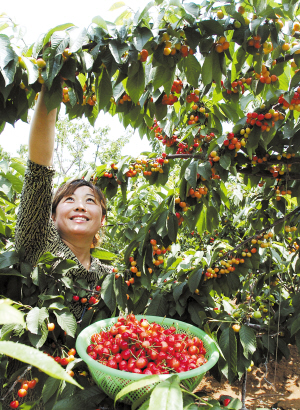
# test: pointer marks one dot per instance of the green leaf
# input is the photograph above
(103, 254)
(100, 22)
(50, 389)
(161, 76)
(204, 170)
(8, 60)
(120, 292)
(213, 27)
(237, 63)
(61, 27)
(88, 398)
(103, 89)
(158, 306)
(225, 160)
(136, 81)
(216, 68)
(194, 279)
(172, 224)
(192, 69)
(32, 70)
(35, 318)
(135, 385)
(10, 314)
(248, 340)
(161, 224)
(295, 325)
(167, 395)
(52, 97)
(194, 311)
(8, 259)
(108, 292)
(37, 359)
(207, 70)
(295, 80)
(66, 321)
(191, 173)
(64, 266)
(117, 5)
(228, 346)
(117, 49)
(142, 35)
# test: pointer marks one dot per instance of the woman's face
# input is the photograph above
(78, 215)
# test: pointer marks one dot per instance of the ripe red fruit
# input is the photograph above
(76, 298)
(51, 327)
(32, 384)
(98, 287)
(123, 365)
(22, 392)
(64, 361)
(14, 404)
(226, 402)
(144, 55)
(112, 363)
(141, 362)
(92, 300)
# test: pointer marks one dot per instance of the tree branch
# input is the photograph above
(280, 220)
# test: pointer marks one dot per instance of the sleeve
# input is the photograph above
(33, 227)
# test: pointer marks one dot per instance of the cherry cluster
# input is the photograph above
(233, 142)
(172, 98)
(141, 347)
(125, 97)
(221, 45)
(295, 101)
(265, 77)
(263, 120)
(22, 392)
(192, 97)
(169, 99)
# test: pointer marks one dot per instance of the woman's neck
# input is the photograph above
(82, 253)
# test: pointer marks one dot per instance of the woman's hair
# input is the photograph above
(69, 188)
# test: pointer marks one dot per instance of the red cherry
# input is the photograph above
(112, 363)
(141, 362)
(14, 404)
(64, 361)
(76, 298)
(22, 392)
(123, 365)
(98, 287)
(32, 384)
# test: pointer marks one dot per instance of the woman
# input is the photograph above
(66, 227)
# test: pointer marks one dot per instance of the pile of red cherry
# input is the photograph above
(141, 347)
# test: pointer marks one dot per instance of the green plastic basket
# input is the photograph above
(112, 381)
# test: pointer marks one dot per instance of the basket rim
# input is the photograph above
(84, 337)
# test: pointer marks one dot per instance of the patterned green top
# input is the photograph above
(36, 232)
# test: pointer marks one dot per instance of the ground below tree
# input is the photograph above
(276, 385)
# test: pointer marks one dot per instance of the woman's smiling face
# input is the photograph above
(78, 215)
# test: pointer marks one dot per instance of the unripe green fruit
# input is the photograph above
(41, 63)
(257, 315)
(237, 24)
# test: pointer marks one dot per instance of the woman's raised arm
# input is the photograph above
(42, 133)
